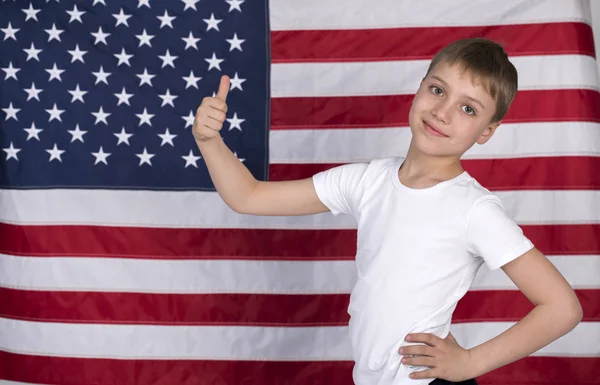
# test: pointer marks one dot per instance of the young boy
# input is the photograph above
(425, 227)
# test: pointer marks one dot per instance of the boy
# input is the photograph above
(425, 227)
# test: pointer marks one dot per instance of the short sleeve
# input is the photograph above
(339, 187)
(493, 236)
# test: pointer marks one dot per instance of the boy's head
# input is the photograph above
(467, 90)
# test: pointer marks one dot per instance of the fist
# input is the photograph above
(212, 113)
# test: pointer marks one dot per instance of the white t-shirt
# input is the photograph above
(418, 252)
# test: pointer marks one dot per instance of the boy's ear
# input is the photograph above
(488, 132)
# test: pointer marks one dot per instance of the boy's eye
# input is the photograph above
(436, 90)
(469, 110)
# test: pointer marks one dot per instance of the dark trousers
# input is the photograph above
(438, 381)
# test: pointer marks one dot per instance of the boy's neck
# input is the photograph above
(422, 171)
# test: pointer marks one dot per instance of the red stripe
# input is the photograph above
(542, 173)
(392, 110)
(77, 371)
(133, 242)
(242, 309)
(423, 43)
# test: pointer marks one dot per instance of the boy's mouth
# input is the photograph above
(432, 130)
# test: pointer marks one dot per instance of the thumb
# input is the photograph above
(223, 88)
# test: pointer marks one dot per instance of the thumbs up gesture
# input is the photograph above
(212, 113)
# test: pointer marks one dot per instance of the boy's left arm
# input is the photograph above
(557, 311)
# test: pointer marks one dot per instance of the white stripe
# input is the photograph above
(236, 342)
(582, 341)
(354, 14)
(403, 77)
(362, 144)
(210, 276)
(182, 209)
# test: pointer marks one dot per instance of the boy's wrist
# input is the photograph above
(476, 365)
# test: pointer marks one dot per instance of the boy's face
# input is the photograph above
(451, 112)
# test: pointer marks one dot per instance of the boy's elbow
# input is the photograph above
(572, 312)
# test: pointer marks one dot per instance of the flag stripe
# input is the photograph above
(424, 42)
(248, 309)
(73, 371)
(237, 342)
(137, 242)
(232, 276)
(543, 173)
(356, 14)
(567, 105)
(353, 79)
(324, 145)
(182, 209)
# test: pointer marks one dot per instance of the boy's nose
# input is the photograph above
(442, 112)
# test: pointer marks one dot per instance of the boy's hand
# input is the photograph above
(212, 113)
(447, 359)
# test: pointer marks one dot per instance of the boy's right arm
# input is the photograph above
(234, 182)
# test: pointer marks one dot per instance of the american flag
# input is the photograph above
(120, 264)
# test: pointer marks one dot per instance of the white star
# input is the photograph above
(167, 137)
(101, 116)
(10, 32)
(32, 53)
(143, 2)
(99, 1)
(101, 76)
(191, 80)
(144, 38)
(123, 58)
(241, 159)
(236, 82)
(77, 94)
(121, 18)
(145, 78)
(100, 156)
(234, 4)
(33, 131)
(123, 97)
(55, 153)
(190, 4)
(11, 152)
(55, 113)
(54, 33)
(235, 43)
(11, 72)
(31, 13)
(166, 19)
(77, 54)
(191, 159)
(190, 41)
(235, 122)
(33, 93)
(212, 23)
(100, 36)
(214, 62)
(55, 73)
(77, 134)
(75, 14)
(145, 157)
(167, 59)
(11, 112)
(189, 120)
(123, 137)
(167, 98)
(145, 118)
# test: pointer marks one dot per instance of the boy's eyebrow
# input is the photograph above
(466, 96)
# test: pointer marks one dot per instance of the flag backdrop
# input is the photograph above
(120, 265)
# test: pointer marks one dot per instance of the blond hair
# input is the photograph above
(487, 62)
